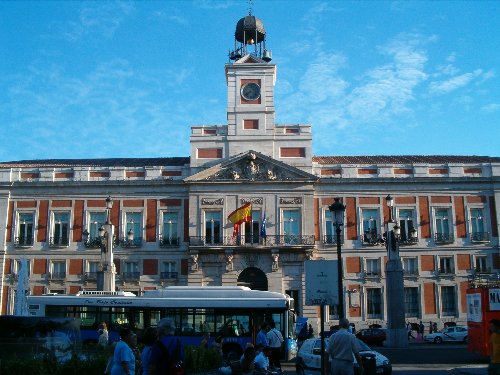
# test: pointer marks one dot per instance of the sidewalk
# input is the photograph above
(470, 370)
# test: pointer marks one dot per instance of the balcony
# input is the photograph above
(126, 243)
(410, 273)
(253, 241)
(443, 238)
(23, 241)
(330, 239)
(168, 275)
(372, 239)
(480, 237)
(90, 276)
(57, 275)
(58, 242)
(410, 241)
(93, 243)
(169, 241)
(131, 276)
(447, 273)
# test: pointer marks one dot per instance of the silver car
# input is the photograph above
(309, 359)
(455, 334)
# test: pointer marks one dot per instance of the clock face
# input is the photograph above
(250, 91)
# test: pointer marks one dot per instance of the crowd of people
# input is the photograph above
(163, 352)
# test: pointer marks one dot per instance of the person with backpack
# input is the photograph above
(167, 354)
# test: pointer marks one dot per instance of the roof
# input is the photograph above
(112, 162)
(404, 159)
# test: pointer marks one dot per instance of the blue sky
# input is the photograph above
(129, 79)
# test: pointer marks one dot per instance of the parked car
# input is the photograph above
(372, 336)
(454, 333)
(308, 360)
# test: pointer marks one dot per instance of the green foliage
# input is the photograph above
(201, 359)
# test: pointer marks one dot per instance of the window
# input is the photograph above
(411, 302)
(252, 229)
(480, 264)
(92, 269)
(406, 220)
(169, 229)
(133, 222)
(331, 230)
(131, 270)
(168, 270)
(446, 265)
(96, 220)
(25, 229)
(213, 227)
(291, 226)
(370, 227)
(374, 303)
(442, 226)
(478, 233)
(17, 266)
(372, 267)
(410, 266)
(58, 270)
(60, 229)
(448, 301)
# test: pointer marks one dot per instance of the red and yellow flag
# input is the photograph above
(239, 216)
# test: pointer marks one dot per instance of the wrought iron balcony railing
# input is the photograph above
(57, 275)
(23, 241)
(58, 241)
(136, 242)
(410, 273)
(169, 241)
(444, 238)
(131, 275)
(331, 239)
(91, 276)
(168, 275)
(409, 241)
(373, 239)
(480, 237)
(445, 272)
(275, 240)
(93, 243)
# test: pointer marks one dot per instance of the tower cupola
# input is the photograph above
(250, 32)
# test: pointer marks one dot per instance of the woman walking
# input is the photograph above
(123, 357)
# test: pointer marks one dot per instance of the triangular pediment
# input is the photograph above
(250, 59)
(252, 166)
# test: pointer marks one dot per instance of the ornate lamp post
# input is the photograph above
(396, 331)
(107, 271)
(337, 209)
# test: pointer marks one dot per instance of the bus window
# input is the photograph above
(119, 317)
(188, 325)
(175, 316)
(235, 325)
(154, 318)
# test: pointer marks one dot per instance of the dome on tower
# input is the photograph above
(250, 30)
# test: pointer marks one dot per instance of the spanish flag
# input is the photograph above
(240, 215)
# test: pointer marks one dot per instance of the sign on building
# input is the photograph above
(321, 282)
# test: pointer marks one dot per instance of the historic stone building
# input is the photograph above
(170, 214)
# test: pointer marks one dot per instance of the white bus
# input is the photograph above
(234, 313)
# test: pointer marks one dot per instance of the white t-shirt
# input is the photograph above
(275, 338)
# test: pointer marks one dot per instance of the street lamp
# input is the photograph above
(337, 209)
(396, 331)
(107, 272)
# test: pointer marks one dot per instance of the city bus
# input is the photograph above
(233, 313)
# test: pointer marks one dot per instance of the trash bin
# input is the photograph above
(369, 364)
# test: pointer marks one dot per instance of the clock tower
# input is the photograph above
(250, 79)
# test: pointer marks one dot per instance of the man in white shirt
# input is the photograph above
(275, 341)
(341, 347)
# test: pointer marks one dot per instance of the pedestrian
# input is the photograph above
(431, 326)
(494, 366)
(261, 338)
(103, 334)
(310, 332)
(123, 356)
(275, 339)
(409, 329)
(421, 329)
(149, 338)
(341, 347)
(167, 353)
(247, 361)
(435, 327)
(204, 340)
(261, 361)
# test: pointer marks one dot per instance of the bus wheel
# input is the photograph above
(438, 340)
